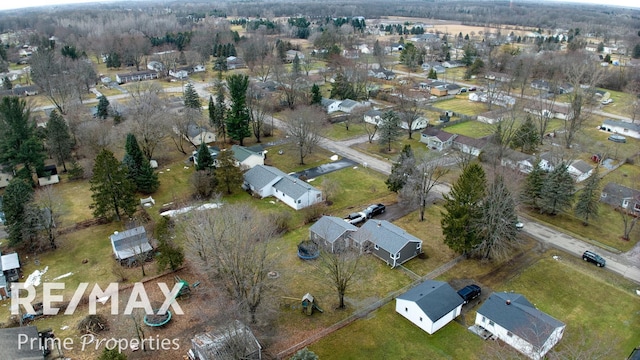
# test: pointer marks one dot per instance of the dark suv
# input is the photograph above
(590, 256)
(375, 209)
(469, 292)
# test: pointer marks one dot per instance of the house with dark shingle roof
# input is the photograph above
(511, 318)
(620, 196)
(437, 139)
(389, 242)
(469, 145)
(198, 134)
(330, 105)
(21, 343)
(518, 161)
(130, 243)
(246, 157)
(265, 181)
(332, 232)
(580, 170)
(430, 305)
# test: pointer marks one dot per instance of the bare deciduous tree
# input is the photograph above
(147, 121)
(303, 125)
(232, 245)
(421, 181)
(341, 268)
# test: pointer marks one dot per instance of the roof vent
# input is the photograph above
(115, 233)
(508, 302)
(379, 224)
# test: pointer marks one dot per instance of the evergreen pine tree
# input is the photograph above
(203, 158)
(113, 193)
(103, 107)
(220, 111)
(295, 66)
(139, 168)
(238, 116)
(401, 170)
(169, 254)
(463, 209)
(16, 197)
(6, 83)
(191, 98)
(532, 189)
(557, 191)
(388, 129)
(316, 96)
(59, 139)
(589, 199)
(526, 137)
(432, 74)
(227, 173)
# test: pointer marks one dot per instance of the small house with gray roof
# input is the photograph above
(128, 244)
(389, 242)
(580, 170)
(9, 272)
(246, 157)
(621, 127)
(511, 318)
(265, 181)
(469, 145)
(332, 232)
(330, 105)
(437, 139)
(430, 305)
(348, 105)
(621, 197)
(21, 343)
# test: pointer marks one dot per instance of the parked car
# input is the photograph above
(469, 292)
(463, 90)
(519, 225)
(355, 218)
(373, 210)
(590, 256)
(607, 102)
(473, 88)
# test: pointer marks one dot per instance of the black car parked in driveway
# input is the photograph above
(373, 210)
(590, 256)
(469, 292)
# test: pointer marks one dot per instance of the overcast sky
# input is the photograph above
(17, 4)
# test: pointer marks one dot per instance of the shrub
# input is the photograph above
(92, 324)
(313, 212)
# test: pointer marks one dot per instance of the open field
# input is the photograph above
(462, 106)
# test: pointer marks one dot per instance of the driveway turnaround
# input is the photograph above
(326, 168)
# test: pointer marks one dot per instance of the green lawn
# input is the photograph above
(381, 151)
(609, 312)
(289, 160)
(474, 129)
(338, 131)
(462, 106)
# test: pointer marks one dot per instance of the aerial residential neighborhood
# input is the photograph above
(301, 180)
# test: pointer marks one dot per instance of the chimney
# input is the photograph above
(508, 302)
(115, 233)
(379, 224)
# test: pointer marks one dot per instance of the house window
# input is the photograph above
(625, 203)
(376, 247)
(421, 318)
(491, 323)
(406, 309)
(299, 201)
(509, 334)
(484, 319)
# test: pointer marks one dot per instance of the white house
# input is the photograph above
(580, 170)
(266, 181)
(179, 74)
(495, 98)
(9, 272)
(348, 105)
(419, 123)
(621, 127)
(621, 197)
(469, 145)
(518, 161)
(493, 116)
(430, 305)
(199, 134)
(155, 66)
(513, 319)
(199, 68)
(247, 158)
(330, 105)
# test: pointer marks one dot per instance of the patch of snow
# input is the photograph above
(62, 276)
(64, 327)
(355, 167)
(184, 210)
(556, 257)
(334, 158)
(310, 180)
(638, 292)
(34, 278)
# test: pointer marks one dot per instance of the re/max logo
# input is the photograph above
(137, 300)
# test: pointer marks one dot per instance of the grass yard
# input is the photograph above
(610, 313)
(289, 160)
(380, 151)
(339, 132)
(462, 106)
(474, 129)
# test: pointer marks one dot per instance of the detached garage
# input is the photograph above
(430, 305)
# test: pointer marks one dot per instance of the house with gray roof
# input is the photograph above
(518, 161)
(266, 181)
(5, 177)
(330, 105)
(234, 341)
(437, 139)
(511, 318)
(332, 232)
(580, 170)
(621, 127)
(348, 105)
(619, 196)
(21, 343)
(469, 145)
(246, 157)
(128, 244)
(389, 242)
(197, 134)
(430, 305)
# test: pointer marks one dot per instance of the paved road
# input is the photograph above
(627, 265)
